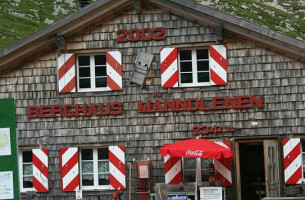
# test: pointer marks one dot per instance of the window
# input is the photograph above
(194, 168)
(92, 73)
(26, 170)
(194, 67)
(95, 168)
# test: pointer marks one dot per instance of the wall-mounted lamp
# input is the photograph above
(254, 124)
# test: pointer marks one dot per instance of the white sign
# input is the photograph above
(5, 142)
(210, 193)
(6, 185)
(144, 171)
(78, 194)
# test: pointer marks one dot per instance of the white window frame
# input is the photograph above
(194, 69)
(20, 159)
(95, 171)
(92, 74)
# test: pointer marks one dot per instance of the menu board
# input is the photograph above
(210, 193)
(6, 185)
(5, 142)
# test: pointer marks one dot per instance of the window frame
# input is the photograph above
(21, 175)
(92, 66)
(95, 185)
(194, 72)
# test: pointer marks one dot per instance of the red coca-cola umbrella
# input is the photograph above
(197, 148)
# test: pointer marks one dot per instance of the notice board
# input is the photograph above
(210, 193)
(9, 188)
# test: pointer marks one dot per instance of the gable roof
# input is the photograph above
(45, 39)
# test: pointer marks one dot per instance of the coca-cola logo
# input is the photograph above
(194, 153)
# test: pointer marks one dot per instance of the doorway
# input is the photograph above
(257, 169)
(252, 170)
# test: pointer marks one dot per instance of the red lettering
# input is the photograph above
(157, 106)
(116, 108)
(193, 104)
(202, 105)
(243, 102)
(78, 110)
(229, 103)
(44, 110)
(179, 105)
(92, 110)
(218, 103)
(144, 109)
(56, 109)
(33, 112)
(170, 105)
(107, 112)
(68, 112)
(256, 101)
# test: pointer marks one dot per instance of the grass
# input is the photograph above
(35, 12)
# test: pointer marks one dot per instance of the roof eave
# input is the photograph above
(262, 35)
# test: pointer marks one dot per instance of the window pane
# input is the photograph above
(85, 83)
(189, 176)
(303, 145)
(27, 156)
(84, 72)
(103, 166)
(27, 182)
(205, 163)
(87, 179)
(189, 163)
(186, 66)
(100, 71)
(87, 167)
(101, 82)
(202, 54)
(28, 169)
(103, 154)
(186, 55)
(100, 60)
(84, 60)
(87, 154)
(203, 65)
(103, 179)
(187, 78)
(203, 77)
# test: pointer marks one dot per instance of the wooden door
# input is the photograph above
(271, 168)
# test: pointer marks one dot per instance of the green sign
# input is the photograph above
(9, 187)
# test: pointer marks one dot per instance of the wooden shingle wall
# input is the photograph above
(252, 70)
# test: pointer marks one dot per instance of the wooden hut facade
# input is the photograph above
(99, 92)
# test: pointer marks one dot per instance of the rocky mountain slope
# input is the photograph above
(20, 18)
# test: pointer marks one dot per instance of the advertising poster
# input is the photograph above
(6, 185)
(5, 142)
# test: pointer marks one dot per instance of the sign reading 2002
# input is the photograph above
(146, 34)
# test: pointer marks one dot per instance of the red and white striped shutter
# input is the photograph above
(114, 70)
(223, 167)
(169, 67)
(292, 160)
(66, 73)
(69, 169)
(117, 172)
(40, 170)
(218, 64)
(172, 170)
